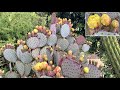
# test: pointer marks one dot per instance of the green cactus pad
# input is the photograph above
(71, 40)
(35, 52)
(63, 43)
(52, 40)
(18, 51)
(11, 74)
(26, 57)
(20, 67)
(56, 56)
(27, 69)
(44, 50)
(42, 39)
(74, 47)
(10, 55)
(33, 42)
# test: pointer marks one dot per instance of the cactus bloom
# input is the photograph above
(93, 21)
(105, 19)
(115, 23)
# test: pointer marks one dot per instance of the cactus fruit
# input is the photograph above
(63, 44)
(42, 39)
(52, 40)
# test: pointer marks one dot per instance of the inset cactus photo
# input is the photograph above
(102, 23)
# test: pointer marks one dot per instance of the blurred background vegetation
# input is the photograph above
(15, 25)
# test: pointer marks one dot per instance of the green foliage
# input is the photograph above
(14, 25)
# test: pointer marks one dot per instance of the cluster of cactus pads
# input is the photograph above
(52, 53)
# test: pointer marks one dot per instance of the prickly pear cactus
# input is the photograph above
(53, 52)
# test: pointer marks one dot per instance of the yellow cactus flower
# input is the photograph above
(105, 19)
(115, 23)
(93, 21)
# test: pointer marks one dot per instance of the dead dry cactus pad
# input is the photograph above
(47, 53)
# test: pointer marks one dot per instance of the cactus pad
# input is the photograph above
(52, 40)
(10, 55)
(18, 51)
(33, 42)
(42, 39)
(27, 69)
(20, 67)
(56, 57)
(26, 57)
(85, 47)
(71, 69)
(94, 72)
(80, 40)
(58, 27)
(63, 43)
(65, 30)
(74, 47)
(47, 52)
(35, 52)
(71, 40)
(12, 74)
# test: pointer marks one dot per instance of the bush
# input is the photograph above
(14, 25)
